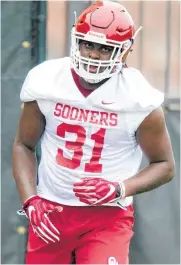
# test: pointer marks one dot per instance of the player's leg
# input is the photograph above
(108, 244)
(39, 252)
(105, 247)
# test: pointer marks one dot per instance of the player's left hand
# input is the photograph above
(97, 191)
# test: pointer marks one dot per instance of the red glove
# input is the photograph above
(37, 210)
(97, 191)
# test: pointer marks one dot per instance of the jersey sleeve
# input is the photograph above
(36, 84)
(36, 87)
(39, 83)
(28, 90)
(145, 100)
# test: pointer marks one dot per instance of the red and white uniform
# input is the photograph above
(87, 136)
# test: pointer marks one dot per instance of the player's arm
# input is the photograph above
(31, 127)
(154, 140)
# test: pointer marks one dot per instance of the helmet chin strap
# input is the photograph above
(93, 81)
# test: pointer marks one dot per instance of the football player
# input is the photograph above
(95, 117)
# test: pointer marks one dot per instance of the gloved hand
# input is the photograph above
(37, 210)
(97, 191)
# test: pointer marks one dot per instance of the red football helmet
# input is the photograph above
(107, 23)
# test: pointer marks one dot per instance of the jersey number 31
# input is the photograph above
(77, 148)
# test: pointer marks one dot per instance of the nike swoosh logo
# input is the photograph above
(107, 103)
(112, 189)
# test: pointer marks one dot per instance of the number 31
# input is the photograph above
(76, 146)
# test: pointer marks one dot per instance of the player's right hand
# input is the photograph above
(37, 210)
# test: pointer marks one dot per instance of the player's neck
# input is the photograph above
(88, 86)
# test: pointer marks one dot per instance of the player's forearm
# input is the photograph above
(24, 170)
(149, 178)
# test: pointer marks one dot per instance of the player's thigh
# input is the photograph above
(39, 252)
(48, 257)
(107, 246)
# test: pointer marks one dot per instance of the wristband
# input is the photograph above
(122, 189)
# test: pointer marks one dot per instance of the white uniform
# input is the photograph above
(92, 136)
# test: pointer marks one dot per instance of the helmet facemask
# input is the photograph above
(111, 67)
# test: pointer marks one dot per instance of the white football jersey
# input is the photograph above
(87, 136)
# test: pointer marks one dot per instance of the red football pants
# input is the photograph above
(96, 235)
